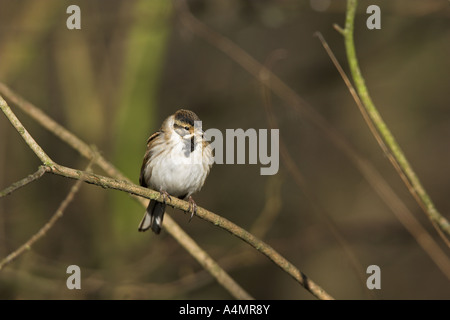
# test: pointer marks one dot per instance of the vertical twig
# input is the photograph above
(412, 182)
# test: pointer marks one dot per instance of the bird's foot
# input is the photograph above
(192, 207)
(165, 195)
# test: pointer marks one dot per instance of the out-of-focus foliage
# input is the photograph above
(132, 64)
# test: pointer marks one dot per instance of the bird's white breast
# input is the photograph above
(173, 168)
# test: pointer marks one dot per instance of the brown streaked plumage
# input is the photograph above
(177, 162)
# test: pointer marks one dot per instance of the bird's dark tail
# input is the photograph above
(153, 217)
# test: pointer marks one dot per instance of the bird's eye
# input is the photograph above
(187, 128)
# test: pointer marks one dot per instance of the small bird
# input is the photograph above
(177, 162)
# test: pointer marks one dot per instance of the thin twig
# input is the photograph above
(56, 216)
(419, 233)
(272, 207)
(398, 160)
(45, 159)
(23, 182)
(209, 264)
(59, 131)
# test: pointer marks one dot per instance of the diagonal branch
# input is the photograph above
(402, 213)
(209, 216)
(62, 133)
(45, 159)
(56, 216)
(23, 182)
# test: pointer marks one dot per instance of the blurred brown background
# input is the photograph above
(133, 63)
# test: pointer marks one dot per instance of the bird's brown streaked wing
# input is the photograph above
(147, 156)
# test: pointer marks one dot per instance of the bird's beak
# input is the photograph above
(198, 134)
(188, 136)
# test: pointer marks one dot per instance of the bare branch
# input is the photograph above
(403, 215)
(56, 216)
(62, 133)
(398, 159)
(45, 159)
(19, 184)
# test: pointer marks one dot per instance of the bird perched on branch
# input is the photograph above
(176, 163)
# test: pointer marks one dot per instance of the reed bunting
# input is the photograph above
(177, 162)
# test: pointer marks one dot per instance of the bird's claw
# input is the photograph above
(192, 207)
(164, 194)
